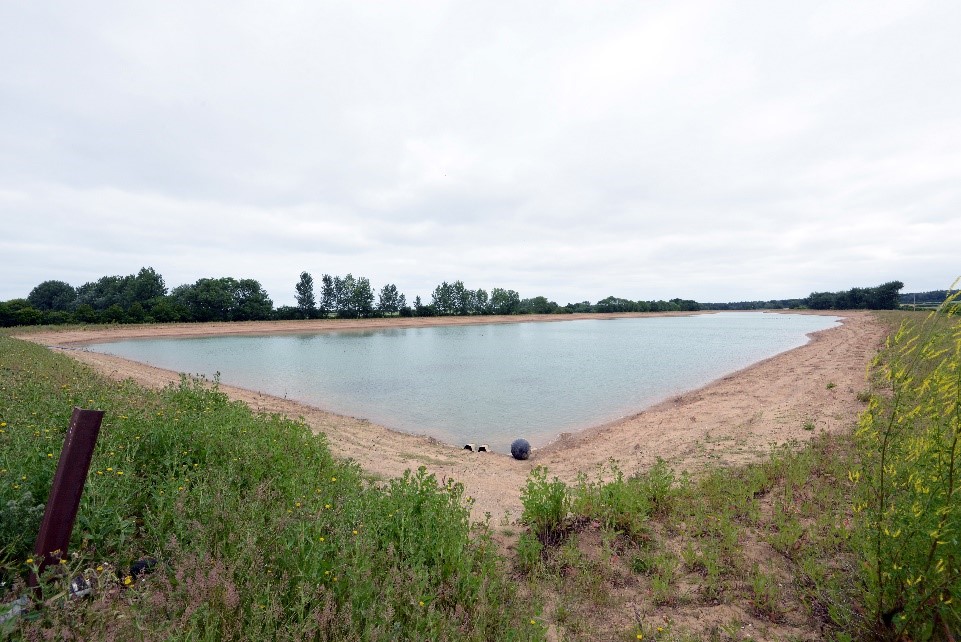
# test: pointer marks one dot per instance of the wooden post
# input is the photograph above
(64, 500)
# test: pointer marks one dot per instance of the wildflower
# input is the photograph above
(355, 531)
(321, 539)
(29, 560)
(326, 505)
(297, 505)
(127, 581)
(49, 455)
(640, 636)
(421, 602)
(100, 569)
(3, 424)
(333, 479)
(533, 621)
(100, 472)
(109, 469)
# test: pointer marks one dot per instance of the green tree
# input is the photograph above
(52, 295)
(328, 296)
(504, 301)
(390, 301)
(250, 301)
(362, 298)
(305, 295)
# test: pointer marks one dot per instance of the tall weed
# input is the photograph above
(908, 499)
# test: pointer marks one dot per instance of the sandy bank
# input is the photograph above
(730, 420)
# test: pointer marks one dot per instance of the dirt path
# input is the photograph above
(730, 420)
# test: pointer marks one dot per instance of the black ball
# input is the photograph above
(521, 449)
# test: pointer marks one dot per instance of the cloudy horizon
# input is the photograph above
(716, 151)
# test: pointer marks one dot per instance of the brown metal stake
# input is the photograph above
(64, 499)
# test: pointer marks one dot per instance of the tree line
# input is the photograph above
(883, 297)
(144, 298)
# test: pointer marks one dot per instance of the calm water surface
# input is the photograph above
(488, 383)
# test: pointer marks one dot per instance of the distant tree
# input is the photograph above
(481, 302)
(305, 295)
(442, 299)
(537, 305)
(390, 300)
(362, 298)
(52, 295)
(504, 301)
(328, 296)
(146, 286)
(250, 302)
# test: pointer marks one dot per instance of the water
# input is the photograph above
(488, 383)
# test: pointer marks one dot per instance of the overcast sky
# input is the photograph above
(708, 150)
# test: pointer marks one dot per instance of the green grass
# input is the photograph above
(259, 532)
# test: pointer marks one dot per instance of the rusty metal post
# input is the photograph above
(64, 499)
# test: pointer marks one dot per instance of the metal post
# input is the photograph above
(64, 499)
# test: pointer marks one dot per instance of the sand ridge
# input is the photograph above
(731, 420)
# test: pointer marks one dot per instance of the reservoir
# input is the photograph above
(488, 384)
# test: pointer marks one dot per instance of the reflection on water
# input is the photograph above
(488, 383)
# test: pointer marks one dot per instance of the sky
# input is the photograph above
(716, 151)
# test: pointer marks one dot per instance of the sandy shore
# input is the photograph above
(731, 420)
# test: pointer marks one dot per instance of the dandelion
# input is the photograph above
(355, 531)
(3, 424)
(533, 621)
(640, 636)
(100, 569)
(333, 479)
(127, 581)
(321, 539)
(29, 560)
(109, 469)
(421, 602)
(327, 506)
(297, 505)
(100, 472)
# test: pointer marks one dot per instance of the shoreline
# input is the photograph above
(729, 420)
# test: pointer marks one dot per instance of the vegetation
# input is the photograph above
(908, 500)
(882, 297)
(258, 532)
(143, 298)
(847, 537)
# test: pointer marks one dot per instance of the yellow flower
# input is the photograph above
(640, 636)
(326, 505)
(421, 602)
(29, 560)
(533, 621)
(3, 423)
(109, 469)
(120, 472)
(127, 581)
(321, 539)
(355, 532)
(49, 454)
(297, 505)
(100, 569)
(333, 479)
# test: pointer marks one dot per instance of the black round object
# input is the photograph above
(521, 449)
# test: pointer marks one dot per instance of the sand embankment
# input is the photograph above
(731, 420)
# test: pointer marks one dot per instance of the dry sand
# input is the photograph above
(731, 420)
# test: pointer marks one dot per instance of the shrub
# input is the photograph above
(908, 494)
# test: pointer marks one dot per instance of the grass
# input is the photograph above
(259, 533)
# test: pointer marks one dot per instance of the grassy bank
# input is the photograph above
(258, 532)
